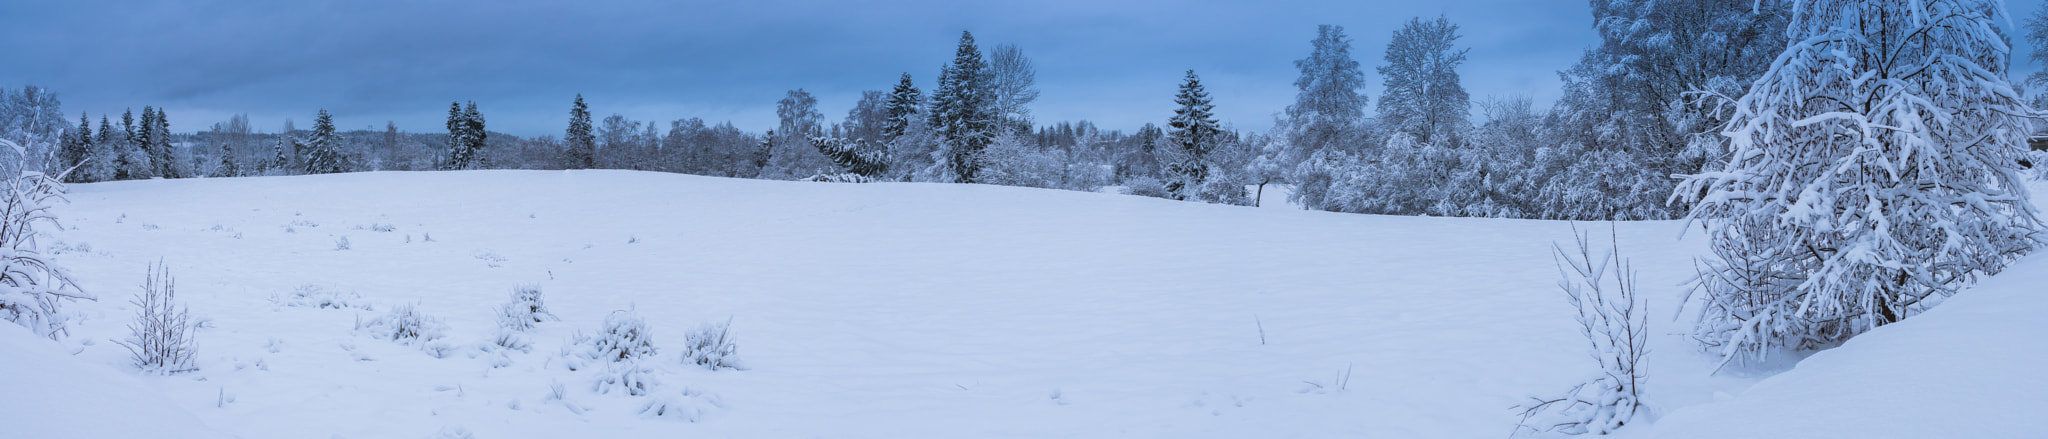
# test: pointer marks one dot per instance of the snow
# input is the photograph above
(46, 394)
(904, 310)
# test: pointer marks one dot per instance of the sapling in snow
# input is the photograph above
(1616, 327)
(161, 338)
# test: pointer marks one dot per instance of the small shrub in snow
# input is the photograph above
(1616, 329)
(31, 289)
(404, 324)
(525, 309)
(711, 346)
(161, 338)
(687, 405)
(628, 377)
(341, 243)
(625, 337)
(315, 296)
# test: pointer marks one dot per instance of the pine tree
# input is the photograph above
(582, 146)
(1424, 98)
(323, 147)
(1191, 134)
(77, 152)
(1329, 107)
(161, 152)
(474, 121)
(458, 138)
(1873, 170)
(129, 161)
(283, 159)
(229, 167)
(902, 109)
(106, 152)
(964, 112)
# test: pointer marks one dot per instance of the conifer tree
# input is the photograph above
(323, 147)
(964, 112)
(477, 134)
(1191, 134)
(229, 167)
(458, 142)
(902, 108)
(105, 151)
(582, 145)
(161, 153)
(77, 151)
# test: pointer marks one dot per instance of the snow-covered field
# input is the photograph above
(923, 310)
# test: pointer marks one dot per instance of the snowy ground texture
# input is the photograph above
(919, 310)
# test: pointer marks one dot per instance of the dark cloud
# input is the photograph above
(1115, 63)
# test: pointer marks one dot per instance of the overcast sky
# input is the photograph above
(1113, 62)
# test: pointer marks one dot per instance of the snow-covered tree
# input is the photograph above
(32, 290)
(792, 156)
(1014, 79)
(323, 147)
(1191, 134)
(466, 136)
(1330, 105)
(1424, 97)
(582, 146)
(963, 112)
(76, 153)
(902, 108)
(160, 150)
(1638, 93)
(1871, 171)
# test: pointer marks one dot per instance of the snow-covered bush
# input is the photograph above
(524, 309)
(712, 346)
(840, 178)
(1871, 171)
(1146, 187)
(628, 377)
(625, 337)
(161, 338)
(1015, 161)
(315, 296)
(31, 289)
(1616, 328)
(404, 324)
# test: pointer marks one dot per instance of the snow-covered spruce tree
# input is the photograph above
(161, 153)
(867, 160)
(465, 136)
(582, 147)
(1423, 97)
(901, 109)
(1329, 107)
(160, 339)
(105, 152)
(1871, 172)
(477, 135)
(323, 150)
(1191, 134)
(963, 112)
(31, 289)
(76, 152)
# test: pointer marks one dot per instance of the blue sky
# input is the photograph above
(1115, 63)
